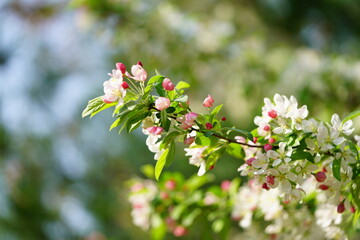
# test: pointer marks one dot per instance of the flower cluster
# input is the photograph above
(287, 151)
(298, 148)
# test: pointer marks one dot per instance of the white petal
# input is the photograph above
(339, 140)
(285, 186)
(202, 169)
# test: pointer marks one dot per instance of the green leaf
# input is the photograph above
(351, 116)
(158, 227)
(95, 106)
(336, 166)
(182, 85)
(152, 81)
(218, 225)
(209, 133)
(160, 164)
(189, 218)
(170, 155)
(168, 139)
(235, 150)
(216, 110)
(177, 211)
(183, 98)
(135, 119)
(300, 154)
(243, 132)
(354, 149)
(196, 182)
(115, 124)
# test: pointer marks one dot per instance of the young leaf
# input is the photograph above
(216, 110)
(183, 98)
(300, 154)
(336, 166)
(353, 148)
(115, 124)
(182, 85)
(235, 150)
(152, 81)
(169, 139)
(95, 106)
(160, 164)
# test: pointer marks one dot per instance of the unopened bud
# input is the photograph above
(265, 186)
(208, 102)
(124, 85)
(223, 119)
(139, 63)
(270, 180)
(255, 139)
(168, 85)
(189, 140)
(272, 140)
(267, 147)
(324, 187)
(249, 161)
(272, 114)
(320, 176)
(208, 126)
(225, 185)
(266, 128)
(341, 207)
(121, 67)
(170, 184)
(180, 231)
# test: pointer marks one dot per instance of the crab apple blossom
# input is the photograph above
(138, 72)
(225, 185)
(268, 147)
(168, 85)
(188, 120)
(208, 102)
(170, 184)
(162, 103)
(155, 130)
(197, 158)
(114, 91)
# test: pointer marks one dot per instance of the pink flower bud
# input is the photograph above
(162, 103)
(223, 119)
(211, 167)
(164, 195)
(155, 130)
(168, 85)
(139, 63)
(324, 187)
(190, 117)
(266, 128)
(270, 180)
(170, 184)
(255, 139)
(320, 176)
(272, 140)
(208, 126)
(124, 85)
(180, 231)
(208, 102)
(249, 161)
(121, 67)
(341, 207)
(185, 125)
(265, 186)
(272, 114)
(189, 140)
(225, 185)
(352, 209)
(267, 147)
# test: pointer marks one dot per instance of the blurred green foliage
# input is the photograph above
(239, 51)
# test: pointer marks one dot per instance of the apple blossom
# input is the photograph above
(138, 72)
(162, 103)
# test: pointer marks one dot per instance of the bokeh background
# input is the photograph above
(62, 177)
